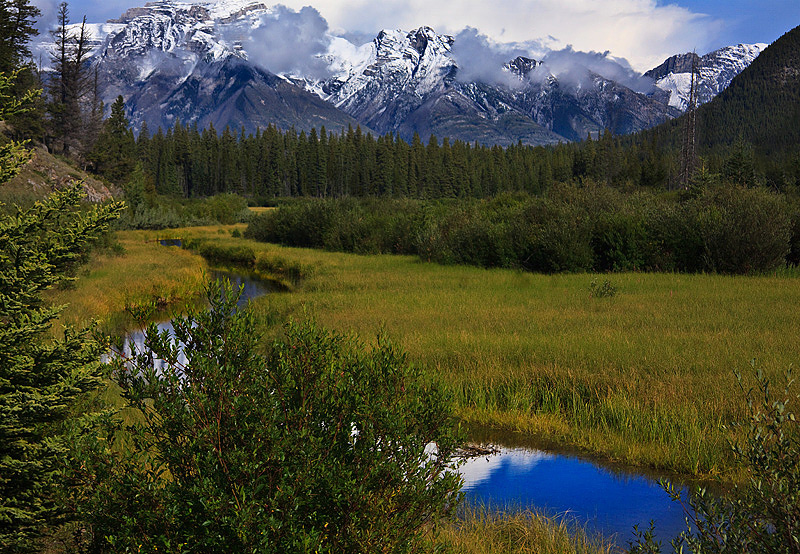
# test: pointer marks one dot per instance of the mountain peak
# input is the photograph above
(521, 66)
(715, 69)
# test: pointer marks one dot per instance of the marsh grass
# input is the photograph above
(481, 530)
(138, 275)
(645, 377)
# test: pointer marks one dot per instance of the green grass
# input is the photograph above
(480, 530)
(645, 377)
(144, 275)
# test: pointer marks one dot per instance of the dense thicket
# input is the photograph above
(571, 228)
(320, 445)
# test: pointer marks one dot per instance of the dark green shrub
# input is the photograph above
(319, 445)
(620, 241)
(554, 236)
(218, 254)
(744, 230)
(793, 257)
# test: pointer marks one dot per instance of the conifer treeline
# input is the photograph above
(190, 162)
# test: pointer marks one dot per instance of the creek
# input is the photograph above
(602, 499)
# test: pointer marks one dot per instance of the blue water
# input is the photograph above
(595, 497)
(170, 242)
(251, 289)
(592, 496)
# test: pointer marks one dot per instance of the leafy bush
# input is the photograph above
(744, 230)
(762, 516)
(319, 445)
(164, 212)
(606, 289)
(218, 254)
(572, 229)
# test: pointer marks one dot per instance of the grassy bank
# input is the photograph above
(137, 274)
(479, 530)
(644, 377)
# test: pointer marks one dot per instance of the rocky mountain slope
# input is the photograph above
(715, 71)
(409, 82)
(170, 62)
(198, 62)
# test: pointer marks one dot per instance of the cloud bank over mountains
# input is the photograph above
(291, 42)
(643, 32)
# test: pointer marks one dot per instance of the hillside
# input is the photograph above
(761, 106)
(44, 174)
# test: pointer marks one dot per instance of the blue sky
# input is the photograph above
(643, 32)
(749, 21)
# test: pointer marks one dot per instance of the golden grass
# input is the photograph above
(645, 377)
(145, 273)
(484, 531)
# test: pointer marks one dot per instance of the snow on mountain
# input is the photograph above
(409, 82)
(176, 60)
(164, 56)
(716, 70)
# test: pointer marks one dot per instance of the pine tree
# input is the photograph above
(39, 379)
(13, 155)
(69, 84)
(114, 153)
(17, 27)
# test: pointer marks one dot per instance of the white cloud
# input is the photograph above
(640, 31)
(643, 32)
(288, 41)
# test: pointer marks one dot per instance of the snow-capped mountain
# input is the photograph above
(185, 61)
(715, 70)
(406, 82)
(212, 62)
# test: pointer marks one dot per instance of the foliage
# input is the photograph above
(40, 380)
(319, 445)
(69, 84)
(239, 256)
(17, 27)
(13, 155)
(113, 153)
(148, 210)
(606, 289)
(570, 229)
(762, 516)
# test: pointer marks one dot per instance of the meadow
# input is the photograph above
(645, 377)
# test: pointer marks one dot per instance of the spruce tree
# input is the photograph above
(17, 27)
(69, 83)
(114, 153)
(40, 379)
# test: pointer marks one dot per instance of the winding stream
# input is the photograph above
(602, 500)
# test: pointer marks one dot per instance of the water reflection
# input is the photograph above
(604, 501)
(134, 341)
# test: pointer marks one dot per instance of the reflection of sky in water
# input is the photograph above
(593, 496)
(251, 289)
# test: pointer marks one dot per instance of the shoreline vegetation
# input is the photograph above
(644, 378)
